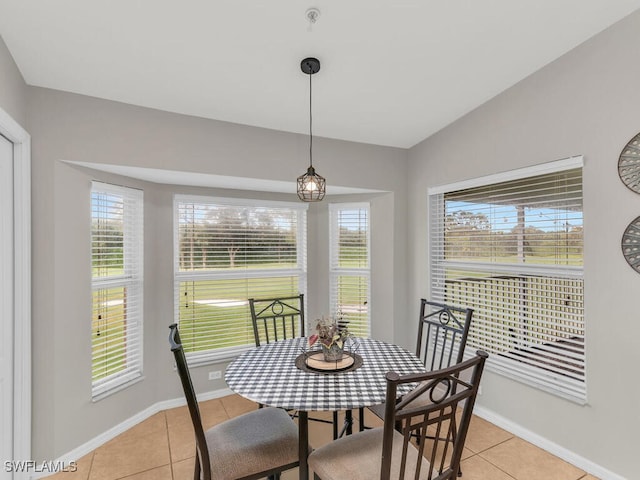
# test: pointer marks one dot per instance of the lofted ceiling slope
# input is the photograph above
(393, 71)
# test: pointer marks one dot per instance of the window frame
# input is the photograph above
(228, 353)
(335, 271)
(132, 279)
(555, 383)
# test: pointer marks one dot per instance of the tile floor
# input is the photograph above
(162, 448)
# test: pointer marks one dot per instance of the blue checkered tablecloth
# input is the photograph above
(268, 375)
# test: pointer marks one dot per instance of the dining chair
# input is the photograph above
(277, 318)
(258, 444)
(280, 318)
(442, 337)
(388, 452)
(442, 333)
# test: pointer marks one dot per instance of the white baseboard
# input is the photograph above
(113, 432)
(546, 444)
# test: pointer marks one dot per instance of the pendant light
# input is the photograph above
(311, 186)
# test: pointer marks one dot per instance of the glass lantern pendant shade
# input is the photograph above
(311, 186)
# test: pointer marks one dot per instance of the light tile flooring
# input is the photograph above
(162, 448)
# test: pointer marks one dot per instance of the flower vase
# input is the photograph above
(333, 353)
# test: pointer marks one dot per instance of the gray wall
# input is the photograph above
(12, 87)
(68, 127)
(587, 102)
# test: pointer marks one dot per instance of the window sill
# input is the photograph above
(219, 356)
(104, 393)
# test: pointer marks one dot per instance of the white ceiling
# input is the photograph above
(393, 71)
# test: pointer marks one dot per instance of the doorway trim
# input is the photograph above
(22, 277)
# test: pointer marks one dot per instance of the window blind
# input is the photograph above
(117, 279)
(513, 251)
(227, 251)
(349, 236)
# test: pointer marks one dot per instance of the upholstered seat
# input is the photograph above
(389, 453)
(359, 457)
(249, 447)
(257, 441)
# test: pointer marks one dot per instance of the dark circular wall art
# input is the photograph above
(629, 164)
(631, 244)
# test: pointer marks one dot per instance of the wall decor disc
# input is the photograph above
(631, 244)
(629, 164)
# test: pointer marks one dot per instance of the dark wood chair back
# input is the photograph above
(442, 334)
(202, 457)
(277, 318)
(449, 392)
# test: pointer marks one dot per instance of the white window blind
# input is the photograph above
(117, 279)
(350, 268)
(227, 251)
(512, 249)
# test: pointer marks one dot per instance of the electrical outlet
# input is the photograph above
(215, 375)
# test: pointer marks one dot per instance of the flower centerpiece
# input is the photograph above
(331, 334)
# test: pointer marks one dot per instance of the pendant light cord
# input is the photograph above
(310, 124)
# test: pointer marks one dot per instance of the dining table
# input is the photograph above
(287, 374)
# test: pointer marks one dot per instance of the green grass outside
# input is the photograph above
(211, 326)
(105, 271)
(108, 333)
(215, 314)
(216, 327)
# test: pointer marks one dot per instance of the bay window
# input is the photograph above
(227, 251)
(350, 266)
(117, 276)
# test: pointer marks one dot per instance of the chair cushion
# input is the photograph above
(254, 442)
(359, 457)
